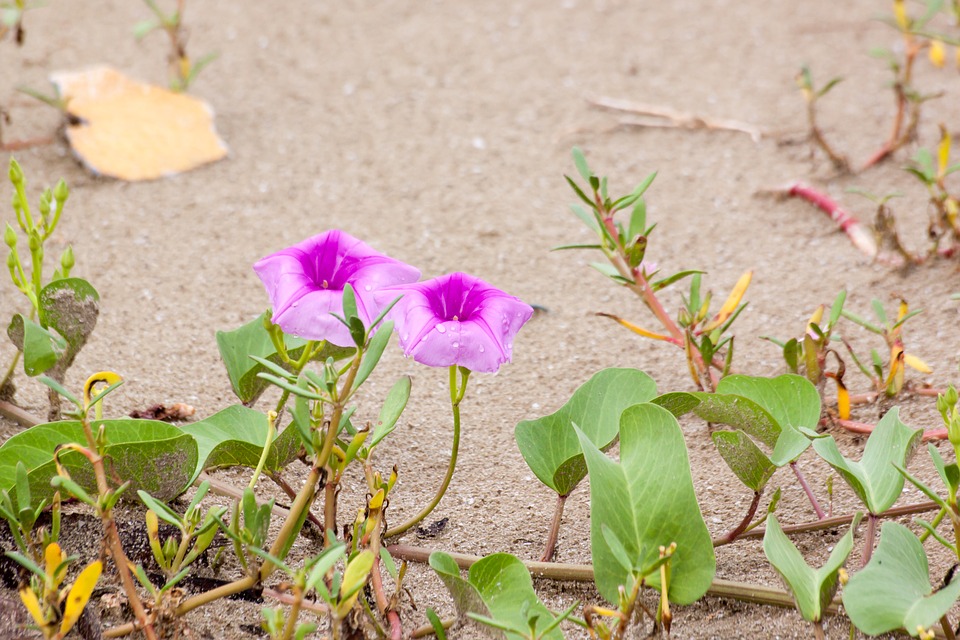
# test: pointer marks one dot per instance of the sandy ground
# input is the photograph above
(439, 132)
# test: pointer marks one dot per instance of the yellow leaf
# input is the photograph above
(943, 152)
(134, 131)
(900, 13)
(638, 330)
(733, 301)
(894, 380)
(916, 363)
(30, 601)
(938, 54)
(843, 400)
(53, 556)
(79, 595)
(377, 500)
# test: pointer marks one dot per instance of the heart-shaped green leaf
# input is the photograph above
(744, 458)
(790, 399)
(550, 445)
(812, 589)
(235, 437)
(252, 339)
(498, 587)
(41, 348)
(71, 306)
(647, 501)
(875, 479)
(156, 457)
(893, 591)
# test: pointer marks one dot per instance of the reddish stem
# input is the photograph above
(554, 532)
(734, 533)
(859, 235)
(869, 538)
(806, 489)
(863, 427)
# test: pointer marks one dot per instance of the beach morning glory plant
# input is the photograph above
(456, 321)
(305, 284)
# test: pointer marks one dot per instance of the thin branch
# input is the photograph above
(584, 573)
(656, 116)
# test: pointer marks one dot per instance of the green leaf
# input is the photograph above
(588, 219)
(666, 282)
(893, 591)
(235, 437)
(812, 589)
(744, 458)
(41, 348)
(374, 350)
(581, 162)
(549, 445)
(790, 399)
(70, 306)
(875, 479)
(610, 271)
(498, 587)
(155, 456)
(465, 596)
(252, 339)
(393, 407)
(648, 501)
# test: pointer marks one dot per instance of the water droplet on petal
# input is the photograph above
(456, 344)
(441, 328)
(406, 337)
(481, 348)
(368, 287)
(295, 304)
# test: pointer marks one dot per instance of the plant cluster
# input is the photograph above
(335, 303)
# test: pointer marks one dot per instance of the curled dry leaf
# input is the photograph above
(173, 413)
(125, 129)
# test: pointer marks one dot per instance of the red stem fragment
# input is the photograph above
(861, 237)
(863, 427)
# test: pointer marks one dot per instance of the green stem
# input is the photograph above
(10, 370)
(271, 432)
(456, 396)
(584, 573)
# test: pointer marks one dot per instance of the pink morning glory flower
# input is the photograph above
(305, 284)
(456, 319)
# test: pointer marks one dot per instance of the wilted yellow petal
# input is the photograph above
(733, 301)
(135, 131)
(102, 377)
(938, 54)
(79, 595)
(638, 330)
(30, 601)
(916, 363)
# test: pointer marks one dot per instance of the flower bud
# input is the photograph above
(45, 200)
(61, 192)
(16, 173)
(10, 237)
(951, 396)
(33, 239)
(67, 260)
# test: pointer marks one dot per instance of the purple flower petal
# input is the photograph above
(457, 319)
(305, 284)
